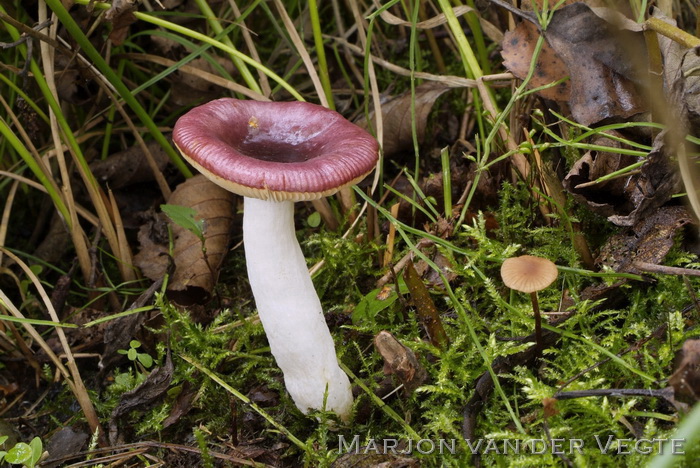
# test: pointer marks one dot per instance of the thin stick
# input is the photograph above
(539, 345)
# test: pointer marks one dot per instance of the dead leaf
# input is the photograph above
(604, 63)
(649, 240)
(396, 115)
(686, 378)
(367, 457)
(400, 361)
(518, 47)
(182, 404)
(550, 407)
(425, 307)
(607, 198)
(65, 442)
(627, 199)
(195, 271)
(151, 391)
(129, 166)
(121, 15)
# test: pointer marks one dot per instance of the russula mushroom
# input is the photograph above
(275, 153)
(530, 274)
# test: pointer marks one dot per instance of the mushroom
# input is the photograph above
(275, 153)
(530, 274)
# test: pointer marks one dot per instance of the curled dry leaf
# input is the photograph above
(625, 200)
(610, 197)
(151, 391)
(396, 115)
(603, 61)
(649, 240)
(686, 378)
(601, 52)
(121, 15)
(425, 307)
(195, 271)
(400, 361)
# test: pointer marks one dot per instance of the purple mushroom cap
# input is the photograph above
(275, 150)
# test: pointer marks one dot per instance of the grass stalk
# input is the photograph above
(215, 25)
(94, 55)
(321, 53)
(70, 371)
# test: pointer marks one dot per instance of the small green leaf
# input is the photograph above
(37, 451)
(132, 354)
(134, 343)
(19, 454)
(314, 219)
(146, 360)
(184, 216)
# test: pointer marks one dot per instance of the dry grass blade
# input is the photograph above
(303, 53)
(70, 371)
(84, 213)
(191, 70)
(448, 80)
(4, 222)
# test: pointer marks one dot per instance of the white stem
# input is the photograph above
(290, 310)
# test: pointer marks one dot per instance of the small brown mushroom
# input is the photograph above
(530, 274)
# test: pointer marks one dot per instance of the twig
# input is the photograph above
(666, 393)
(663, 269)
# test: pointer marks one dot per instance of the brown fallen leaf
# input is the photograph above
(602, 50)
(129, 166)
(65, 442)
(518, 47)
(121, 15)
(195, 271)
(396, 114)
(631, 198)
(151, 391)
(425, 307)
(607, 198)
(400, 361)
(649, 240)
(686, 378)
(182, 404)
(603, 62)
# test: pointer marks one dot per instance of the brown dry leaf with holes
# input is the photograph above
(604, 63)
(518, 48)
(396, 115)
(604, 59)
(686, 379)
(400, 361)
(195, 272)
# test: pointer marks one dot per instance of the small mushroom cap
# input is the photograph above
(275, 150)
(528, 273)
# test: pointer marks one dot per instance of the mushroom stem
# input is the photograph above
(538, 320)
(290, 309)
